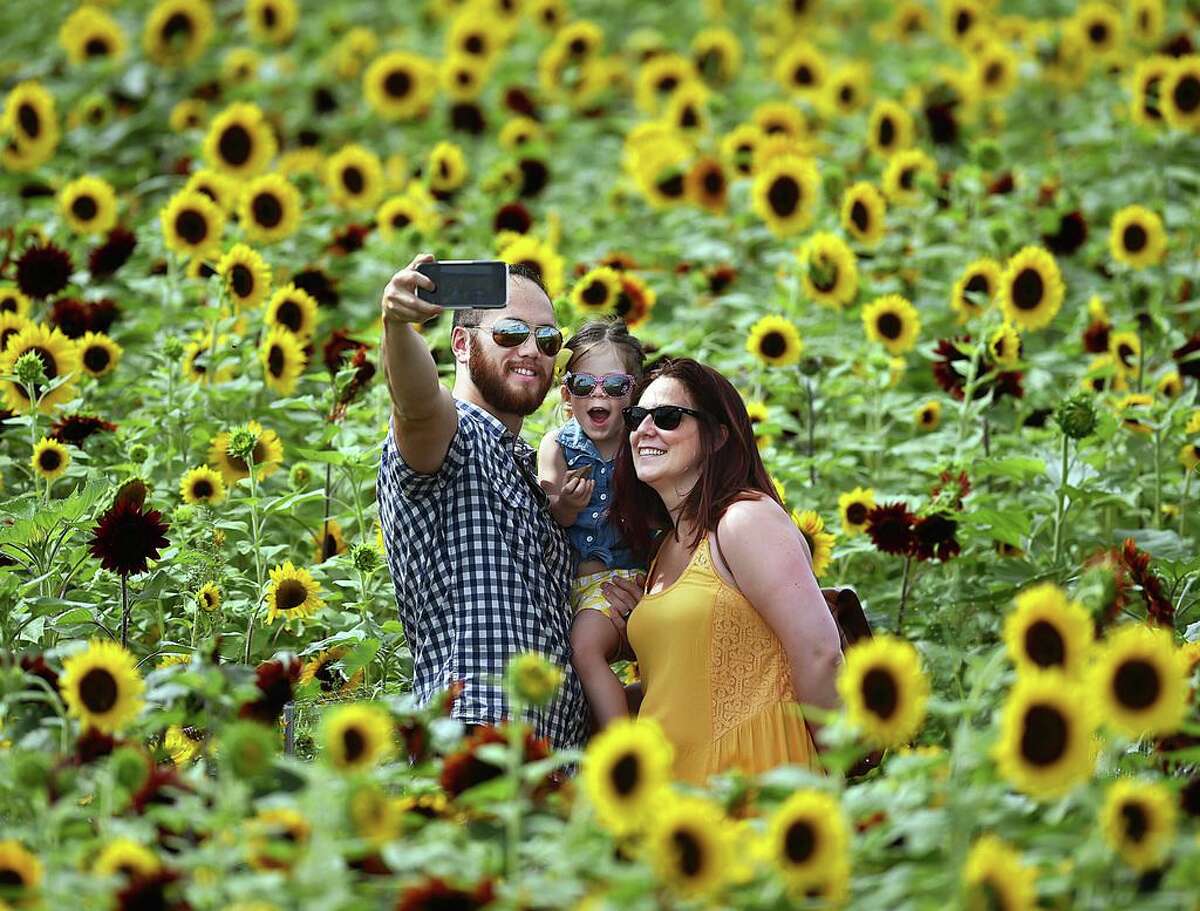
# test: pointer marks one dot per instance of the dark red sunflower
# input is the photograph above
(127, 536)
(349, 239)
(92, 745)
(275, 679)
(934, 536)
(1187, 357)
(520, 101)
(720, 278)
(535, 175)
(891, 528)
(317, 283)
(467, 117)
(1070, 235)
(105, 260)
(415, 737)
(435, 894)
(1095, 336)
(339, 350)
(956, 487)
(512, 217)
(951, 357)
(1159, 609)
(465, 769)
(158, 891)
(44, 269)
(161, 788)
(72, 316)
(36, 666)
(76, 428)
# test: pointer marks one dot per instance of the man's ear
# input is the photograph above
(460, 344)
(566, 393)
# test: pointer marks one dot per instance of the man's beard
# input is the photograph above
(490, 380)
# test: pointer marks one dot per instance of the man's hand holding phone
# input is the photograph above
(400, 303)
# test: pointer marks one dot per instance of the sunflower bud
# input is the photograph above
(533, 679)
(130, 768)
(29, 369)
(834, 182)
(242, 442)
(987, 154)
(365, 558)
(172, 348)
(1076, 416)
(1001, 234)
(183, 513)
(1097, 589)
(810, 366)
(246, 749)
(300, 477)
(138, 453)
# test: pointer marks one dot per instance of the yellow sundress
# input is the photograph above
(716, 678)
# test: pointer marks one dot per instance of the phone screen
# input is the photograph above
(466, 284)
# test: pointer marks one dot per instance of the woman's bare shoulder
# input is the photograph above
(751, 515)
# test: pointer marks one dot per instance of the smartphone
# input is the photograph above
(466, 284)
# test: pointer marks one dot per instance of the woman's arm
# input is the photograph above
(769, 559)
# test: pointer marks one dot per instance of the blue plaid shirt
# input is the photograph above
(482, 572)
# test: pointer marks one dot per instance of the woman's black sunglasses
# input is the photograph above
(666, 417)
(510, 333)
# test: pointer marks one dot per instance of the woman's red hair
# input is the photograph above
(730, 471)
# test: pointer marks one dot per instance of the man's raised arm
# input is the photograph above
(424, 418)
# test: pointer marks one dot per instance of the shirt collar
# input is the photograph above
(572, 434)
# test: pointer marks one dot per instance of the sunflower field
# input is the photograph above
(948, 250)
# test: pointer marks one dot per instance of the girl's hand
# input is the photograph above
(576, 493)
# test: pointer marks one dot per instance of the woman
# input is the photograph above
(732, 633)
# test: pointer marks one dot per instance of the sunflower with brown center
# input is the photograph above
(283, 359)
(806, 837)
(328, 541)
(292, 593)
(830, 270)
(738, 145)
(889, 128)
(239, 141)
(30, 122)
(717, 55)
(994, 877)
(994, 69)
(400, 85)
(59, 356)
(269, 208)
(1125, 348)
(1031, 289)
(902, 176)
(13, 302)
(863, 213)
(597, 291)
(1139, 820)
(91, 34)
(177, 31)
(20, 871)
(853, 507)
(1101, 28)
(272, 21)
(101, 686)
(538, 255)
(276, 838)
(447, 168)
(689, 845)
(208, 597)
(1180, 95)
(635, 302)
(293, 309)
(975, 289)
(202, 485)
(400, 213)
(893, 322)
(354, 177)
(820, 542)
(780, 119)
(707, 185)
(357, 737)
(89, 205)
(802, 70)
(1048, 631)
(1140, 678)
(192, 224)
(50, 459)
(98, 354)
(928, 416)
(246, 276)
(266, 456)
(1047, 745)
(659, 77)
(785, 194)
(220, 188)
(775, 341)
(884, 689)
(1137, 237)
(1146, 89)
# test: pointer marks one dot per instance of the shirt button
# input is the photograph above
(595, 515)
(603, 496)
(589, 538)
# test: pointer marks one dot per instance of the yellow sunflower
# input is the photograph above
(91, 34)
(59, 356)
(1138, 820)
(269, 209)
(853, 508)
(1146, 87)
(707, 185)
(884, 689)
(975, 289)
(293, 309)
(1189, 455)
(98, 354)
(240, 66)
(1137, 238)
(246, 276)
(1125, 348)
(802, 69)
(328, 541)
(889, 128)
(177, 31)
(447, 167)
(125, 857)
(658, 77)
(354, 177)
(208, 597)
(463, 77)
(893, 322)
(864, 213)
(1031, 289)
(994, 876)
(400, 85)
(20, 871)
(717, 54)
(846, 89)
(830, 270)
(356, 737)
(901, 177)
(928, 416)
(267, 455)
(962, 20)
(13, 301)
(272, 21)
(1047, 744)
(820, 542)
(218, 187)
(198, 357)
(1170, 386)
(239, 141)
(690, 846)
(785, 194)
(1134, 411)
(398, 213)
(283, 360)
(276, 837)
(10, 325)
(1104, 373)
(292, 593)
(597, 291)
(192, 224)
(759, 415)
(101, 686)
(1048, 631)
(806, 836)
(1004, 346)
(1101, 28)
(188, 114)
(50, 459)
(738, 145)
(994, 68)
(626, 771)
(1139, 676)
(202, 485)
(775, 341)
(89, 204)
(30, 122)
(518, 132)
(1180, 94)
(1146, 18)
(538, 255)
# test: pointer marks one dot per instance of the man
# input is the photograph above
(481, 570)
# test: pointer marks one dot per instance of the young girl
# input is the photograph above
(575, 467)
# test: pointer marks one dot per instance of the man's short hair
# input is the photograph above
(527, 271)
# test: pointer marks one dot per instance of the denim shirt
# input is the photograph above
(592, 536)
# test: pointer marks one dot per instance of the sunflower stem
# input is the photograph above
(516, 750)
(812, 418)
(124, 611)
(1060, 510)
(904, 584)
(1187, 489)
(258, 592)
(1157, 478)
